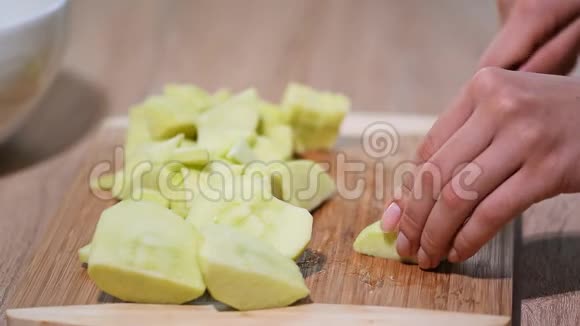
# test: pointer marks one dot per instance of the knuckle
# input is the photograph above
(511, 100)
(486, 80)
(411, 227)
(530, 133)
(451, 199)
(427, 181)
(429, 244)
(487, 216)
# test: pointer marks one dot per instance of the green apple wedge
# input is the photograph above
(84, 253)
(373, 241)
(247, 273)
(137, 131)
(167, 117)
(220, 127)
(246, 203)
(142, 252)
(315, 116)
(302, 183)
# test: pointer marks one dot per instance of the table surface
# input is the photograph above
(388, 56)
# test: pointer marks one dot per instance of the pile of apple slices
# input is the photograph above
(211, 198)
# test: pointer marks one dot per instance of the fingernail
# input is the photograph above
(403, 245)
(453, 257)
(423, 260)
(391, 217)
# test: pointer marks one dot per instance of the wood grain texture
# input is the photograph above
(392, 55)
(334, 272)
(312, 314)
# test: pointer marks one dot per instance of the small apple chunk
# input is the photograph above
(84, 253)
(241, 153)
(137, 131)
(283, 138)
(373, 241)
(302, 183)
(220, 127)
(247, 273)
(315, 116)
(246, 203)
(142, 252)
(191, 155)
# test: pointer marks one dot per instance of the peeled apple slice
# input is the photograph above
(167, 117)
(315, 116)
(270, 116)
(191, 155)
(241, 152)
(247, 273)
(302, 183)
(142, 252)
(84, 253)
(266, 150)
(137, 131)
(220, 127)
(246, 204)
(283, 138)
(373, 241)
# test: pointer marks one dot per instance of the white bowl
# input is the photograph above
(32, 41)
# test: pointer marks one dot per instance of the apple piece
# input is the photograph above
(142, 252)
(247, 273)
(246, 203)
(191, 155)
(223, 125)
(149, 166)
(167, 117)
(189, 96)
(283, 138)
(266, 150)
(302, 183)
(315, 116)
(186, 142)
(180, 204)
(373, 241)
(271, 116)
(241, 153)
(84, 253)
(137, 131)
(152, 196)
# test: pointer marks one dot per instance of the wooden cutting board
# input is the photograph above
(334, 272)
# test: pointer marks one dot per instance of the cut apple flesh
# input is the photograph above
(137, 131)
(247, 273)
(246, 204)
(373, 241)
(142, 252)
(222, 126)
(314, 116)
(84, 253)
(302, 183)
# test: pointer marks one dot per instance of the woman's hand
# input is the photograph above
(537, 36)
(519, 134)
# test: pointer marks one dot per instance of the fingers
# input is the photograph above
(466, 144)
(559, 55)
(447, 124)
(461, 195)
(516, 41)
(507, 201)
